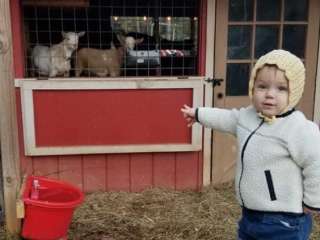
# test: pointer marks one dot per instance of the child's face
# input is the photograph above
(270, 91)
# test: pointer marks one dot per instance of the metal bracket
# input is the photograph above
(214, 81)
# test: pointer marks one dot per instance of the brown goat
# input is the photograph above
(103, 62)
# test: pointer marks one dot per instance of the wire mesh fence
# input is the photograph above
(104, 38)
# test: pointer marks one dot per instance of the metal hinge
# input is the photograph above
(214, 81)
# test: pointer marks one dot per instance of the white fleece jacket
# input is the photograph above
(278, 167)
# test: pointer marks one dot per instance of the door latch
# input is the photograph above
(214, 81)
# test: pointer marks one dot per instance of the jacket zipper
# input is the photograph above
(242, 155)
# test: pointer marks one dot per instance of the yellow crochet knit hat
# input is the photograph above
(293, 68)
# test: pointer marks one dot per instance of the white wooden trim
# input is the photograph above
(76, 83)
(196, 128)
(316, 116)
(207, 139)
(38, 151)
(28, 119)
(27, 87)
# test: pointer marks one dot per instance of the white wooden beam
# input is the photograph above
(207, 139)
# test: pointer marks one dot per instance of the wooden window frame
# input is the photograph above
(27, 86)
(57, 3)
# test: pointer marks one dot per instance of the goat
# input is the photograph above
(146, 42)
(55, 60)
(104, 62)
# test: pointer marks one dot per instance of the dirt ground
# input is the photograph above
(160, 214)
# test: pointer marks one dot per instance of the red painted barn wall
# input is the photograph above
(106, 117)
(129, 172)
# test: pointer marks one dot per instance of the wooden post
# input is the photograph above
(316, 109)
(8, 121)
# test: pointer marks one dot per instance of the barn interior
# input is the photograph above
(169, 29)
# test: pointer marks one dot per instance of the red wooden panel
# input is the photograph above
(164, 170)
(200, 170)
(70, 170)
(141, 171)
(103, 117)
(187, 170)
(17, 39)
(46, 166)
(94, 173)
(118, 172)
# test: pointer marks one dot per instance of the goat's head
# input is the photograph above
(129, 42)
(71, 39)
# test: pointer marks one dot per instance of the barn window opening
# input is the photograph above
(105, 38)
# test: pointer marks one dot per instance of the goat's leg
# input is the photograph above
(78, 72)
(53, 72)
(78, 68)
(66, 74)
(101, 74)
(32, 69)
(115, 72)
(32, 72)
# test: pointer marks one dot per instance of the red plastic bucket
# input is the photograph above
(49, 206)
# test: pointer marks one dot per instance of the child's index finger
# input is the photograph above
(183, 110)
(186, 107)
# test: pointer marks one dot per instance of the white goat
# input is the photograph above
(55, 60)
(104, 62)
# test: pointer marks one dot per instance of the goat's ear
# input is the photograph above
(80, 34)
(138, 41)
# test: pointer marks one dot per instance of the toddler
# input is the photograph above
(277, 178)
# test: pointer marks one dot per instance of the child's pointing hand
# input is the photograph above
(189, 114)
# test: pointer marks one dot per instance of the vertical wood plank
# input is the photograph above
(202, 36)
(141, 171)
(94, 173)
(17, 39)
(46, 166)
(208, 100)
(164, 170)
(307, 101)
(70, 170)
(316, 109)
(187, 170)
(118, 172)
(8, 120)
